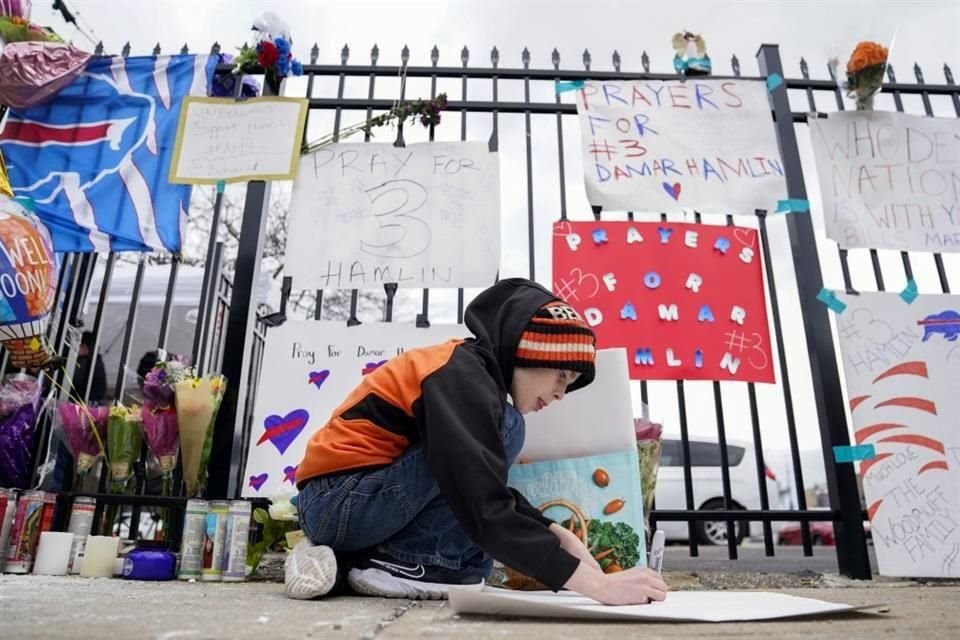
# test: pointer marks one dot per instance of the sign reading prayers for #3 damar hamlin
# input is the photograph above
(686, 300)
(667, 146)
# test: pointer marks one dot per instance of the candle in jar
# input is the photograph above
(99, 556)
(53, 553)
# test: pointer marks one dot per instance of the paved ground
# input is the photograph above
(51, 608)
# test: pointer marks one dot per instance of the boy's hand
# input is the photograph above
(574, 546)
(633, 586)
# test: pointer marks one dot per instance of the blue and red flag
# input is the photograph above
(95, 158)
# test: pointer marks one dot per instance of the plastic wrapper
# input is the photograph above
(124, 440)
(649, 448)
(163, 439)
(159, 383)
(33, 72)
(198, 401)
(85, 432)
(19, 404)
(224, 85)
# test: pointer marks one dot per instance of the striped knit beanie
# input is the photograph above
(557, 338)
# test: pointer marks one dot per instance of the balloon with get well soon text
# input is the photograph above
(28, 278)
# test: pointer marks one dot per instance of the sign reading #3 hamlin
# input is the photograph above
(670, 146)
(424, 215)
(889, 180)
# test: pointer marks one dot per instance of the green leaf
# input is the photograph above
(261, 516)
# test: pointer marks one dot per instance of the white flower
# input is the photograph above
(281, 508)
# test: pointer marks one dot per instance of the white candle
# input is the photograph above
(53, 553)
(98, 557)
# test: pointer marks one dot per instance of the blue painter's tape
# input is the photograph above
(852, 454)
(830, 299)
(910, 293)
(27, 203)
(569, 86)
(774, 80)
(796, 205)
(221, 185)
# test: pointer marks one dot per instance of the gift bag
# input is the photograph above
(599, 498)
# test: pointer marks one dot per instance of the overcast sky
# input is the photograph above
(926, 32)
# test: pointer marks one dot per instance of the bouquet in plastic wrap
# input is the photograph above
(864, 72)
(198, 401)
(163, 439)
(649, 447)
(19, 404)
(85, 431)
(124, 440)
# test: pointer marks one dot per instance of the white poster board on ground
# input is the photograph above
(309, 368)
(675, 145)
(220, 139)
(426, 215)
(576, 427)
(901, 363)
(889, 180)
(680, 606)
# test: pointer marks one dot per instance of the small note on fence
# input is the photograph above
(219, 139)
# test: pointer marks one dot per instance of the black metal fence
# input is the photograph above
(536, 133)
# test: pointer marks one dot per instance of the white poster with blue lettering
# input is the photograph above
(425, 215)
(674, 146)
(901, 362)
(889, 180)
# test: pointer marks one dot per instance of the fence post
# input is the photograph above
(241, 317)
(852, 558)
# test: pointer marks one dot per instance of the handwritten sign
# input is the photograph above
(219, 139)
(889, 180)
(686, 300)
(309, 368)
(364, 215)
(657, 146)
(901, 363)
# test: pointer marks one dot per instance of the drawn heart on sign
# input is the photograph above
(562, 229)
(746, 237)
(370, 367)
(290, 474)
(673, 190)
(258, 481)
(319, 377)
(281, 432)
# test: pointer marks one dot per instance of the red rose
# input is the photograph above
(267, 54)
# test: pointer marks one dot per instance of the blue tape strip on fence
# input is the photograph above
(774, 80)
(221, 185)
(830, 299)
(569, 86)
(852, 454)
(910, 293)
(796, 205)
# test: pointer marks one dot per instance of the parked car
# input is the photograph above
(820, 533)
(706, 475)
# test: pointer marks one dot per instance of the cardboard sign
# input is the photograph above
(224, 140)
(687, 301)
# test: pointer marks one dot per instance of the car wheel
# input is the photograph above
(714, 532)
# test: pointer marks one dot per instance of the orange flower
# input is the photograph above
(867, 54)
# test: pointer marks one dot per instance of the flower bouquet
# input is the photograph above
(865, 70)
(163, 439)
(198, 401)
(270, 53)
(19, 403)
(85, 429)
(124, 440)
(649, 448)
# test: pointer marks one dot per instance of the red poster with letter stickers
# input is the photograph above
(686, 300)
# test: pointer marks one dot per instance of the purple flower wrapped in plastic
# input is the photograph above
(85, 429)
(162, 434)
(19, 402)
(158, 384)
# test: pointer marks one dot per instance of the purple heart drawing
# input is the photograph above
(673, 190)
(319, 377)
(370, 367)
(290, 475)
(281, 432)
(258, 481)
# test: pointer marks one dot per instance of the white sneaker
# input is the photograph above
(309, 571)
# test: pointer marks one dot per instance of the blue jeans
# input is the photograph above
(398, 509)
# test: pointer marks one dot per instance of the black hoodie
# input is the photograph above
(451, 397)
